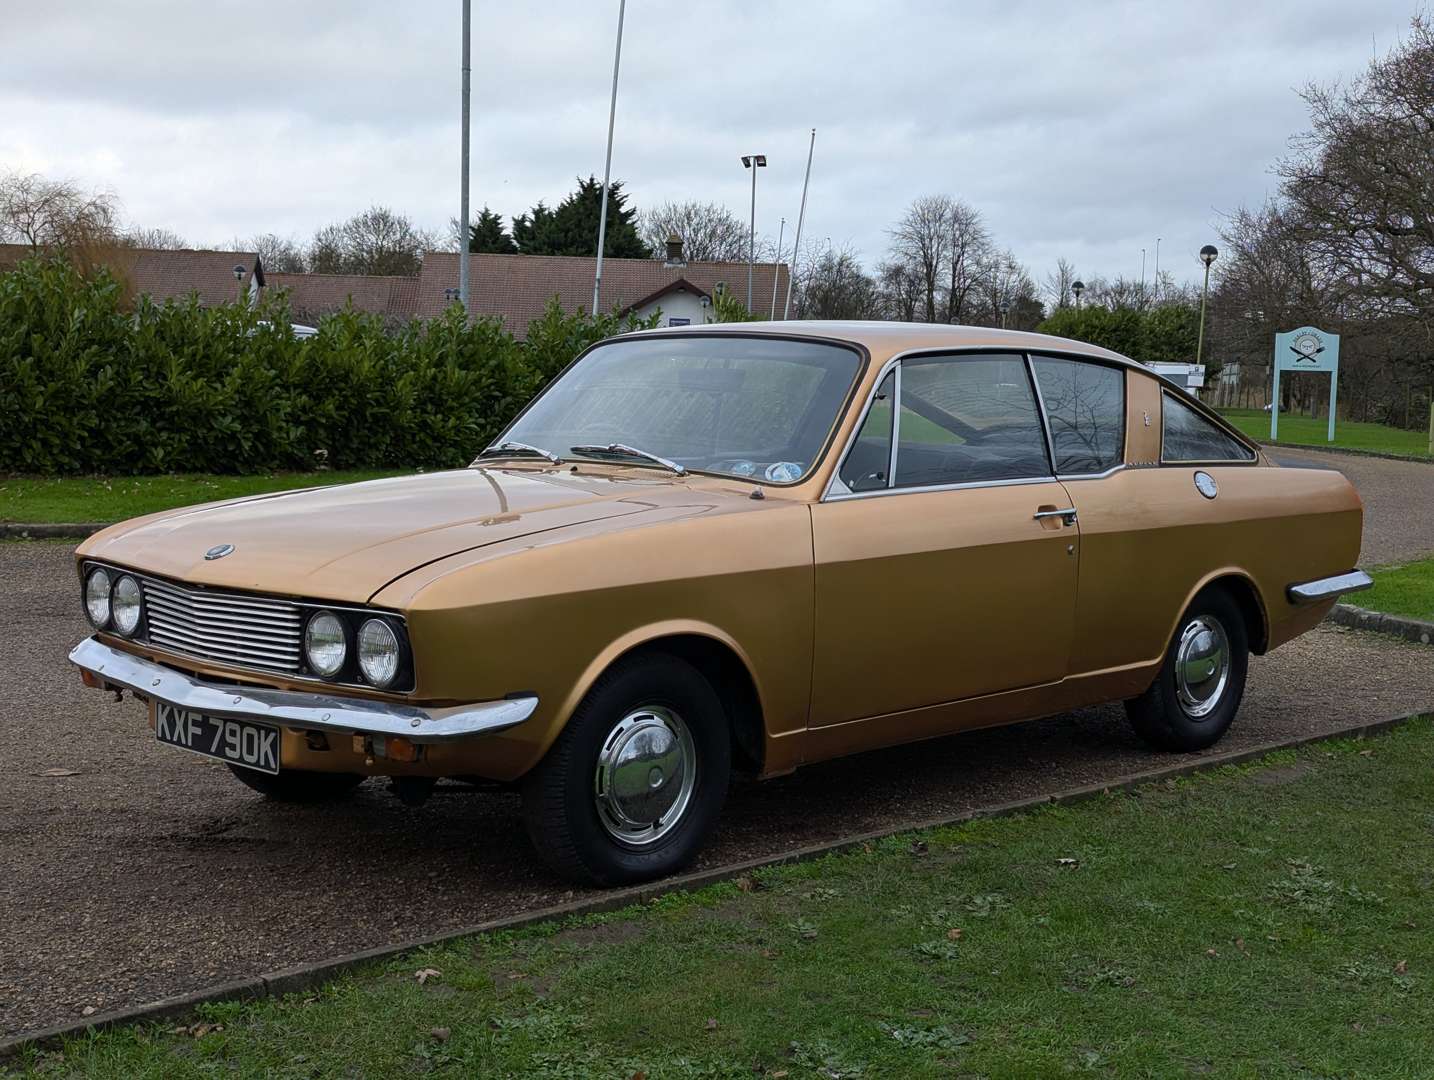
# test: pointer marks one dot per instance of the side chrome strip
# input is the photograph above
(298, 709)
(1311, 592)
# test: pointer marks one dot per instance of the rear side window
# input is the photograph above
(1085, 406)
(966, 420)
(1185, 435)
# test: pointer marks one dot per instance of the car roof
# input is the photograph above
(889, 338)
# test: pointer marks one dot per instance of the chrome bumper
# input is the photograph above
(288, 708)
(1312, 592)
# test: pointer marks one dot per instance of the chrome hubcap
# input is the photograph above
(1202, 666)
(646, 772)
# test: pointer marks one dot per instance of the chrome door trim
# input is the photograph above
(1018, 482)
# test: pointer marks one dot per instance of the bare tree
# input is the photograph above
(834, 286)
(1360, 181)
(156, 239)
(1058, 283)
(968, 250)
(709, 232)
(922, 241)
(45, 213)
(280, 254)
(375, 241)
(899, 290)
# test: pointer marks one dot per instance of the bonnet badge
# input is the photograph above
(218, 552)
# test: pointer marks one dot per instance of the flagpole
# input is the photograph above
(801, 217)
(607, 168)
(776, 270)
(463, 197)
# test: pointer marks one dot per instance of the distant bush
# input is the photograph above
(89, 386)
(1163, 334)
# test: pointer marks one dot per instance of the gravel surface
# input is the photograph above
(152, 872)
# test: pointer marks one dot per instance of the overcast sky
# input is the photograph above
(1082, 128)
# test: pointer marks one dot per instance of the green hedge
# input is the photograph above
(89, 385)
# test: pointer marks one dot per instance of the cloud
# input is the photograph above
(1079, 130)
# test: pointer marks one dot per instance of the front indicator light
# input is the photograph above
(325, 644)
(378, 652)
(97, 597)
(126, 603)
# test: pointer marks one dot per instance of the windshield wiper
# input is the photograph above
(522, 448)
(623, 450)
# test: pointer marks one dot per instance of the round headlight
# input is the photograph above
(125, 603)
(325, 644)
(97, 597)
(378, 652)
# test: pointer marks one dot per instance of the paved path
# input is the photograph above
(152, 872)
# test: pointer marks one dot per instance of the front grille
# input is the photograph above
(232, 628)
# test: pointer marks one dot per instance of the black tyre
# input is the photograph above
(633, 786)
(1193, 700)
(298, 785)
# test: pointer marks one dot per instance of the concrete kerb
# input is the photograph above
(12, 530)
(1353, 451)
(309, 976)
(1415, 630)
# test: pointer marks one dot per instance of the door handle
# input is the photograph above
(1067, 516)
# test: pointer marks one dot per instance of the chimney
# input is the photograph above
(674, 251)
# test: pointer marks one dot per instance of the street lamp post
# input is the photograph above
(1208, 254)
(1077, 287)
(753, 162)
(239, 278)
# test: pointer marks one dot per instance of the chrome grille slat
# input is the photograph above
(202, 640)
(260, 627)
(223, 602)
(231, 628)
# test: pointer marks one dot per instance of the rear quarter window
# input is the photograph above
(1185, 435)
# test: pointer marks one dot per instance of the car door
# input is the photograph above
(945, 551)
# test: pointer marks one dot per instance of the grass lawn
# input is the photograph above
(1272, 920)
(1401, 590)
(34, 500)
(1303, 431)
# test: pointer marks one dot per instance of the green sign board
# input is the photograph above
(1305, 349)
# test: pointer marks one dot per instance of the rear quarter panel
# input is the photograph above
(1150, 541)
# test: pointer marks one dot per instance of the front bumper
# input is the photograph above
(298, 709)
(1312, 592)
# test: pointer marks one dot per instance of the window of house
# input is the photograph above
(1085, 407)
(1185, 435)
(967, 419)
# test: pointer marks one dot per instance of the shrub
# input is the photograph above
(88, 386)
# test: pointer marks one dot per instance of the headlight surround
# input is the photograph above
(97, 597)
(126, 605)
(380, 655)
(326, 644)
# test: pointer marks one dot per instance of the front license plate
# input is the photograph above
(239, 742)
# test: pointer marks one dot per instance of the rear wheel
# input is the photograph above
(1193, 700)
(298, 785)
(633, 786)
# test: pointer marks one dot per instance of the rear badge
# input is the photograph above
(221, 550)
(1205, 484)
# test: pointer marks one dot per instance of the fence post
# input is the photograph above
(1431, 427)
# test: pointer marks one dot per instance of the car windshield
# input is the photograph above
(752, 407)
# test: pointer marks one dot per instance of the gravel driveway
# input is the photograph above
(151, 872)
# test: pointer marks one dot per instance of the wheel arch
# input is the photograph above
(714, 653)
(1242, 589)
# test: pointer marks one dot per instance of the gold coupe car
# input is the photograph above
(742, 547)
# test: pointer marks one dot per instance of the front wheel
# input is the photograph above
(633, 786)
(1193, 700)
(298, 785)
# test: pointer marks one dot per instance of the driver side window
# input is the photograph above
(968, 420)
